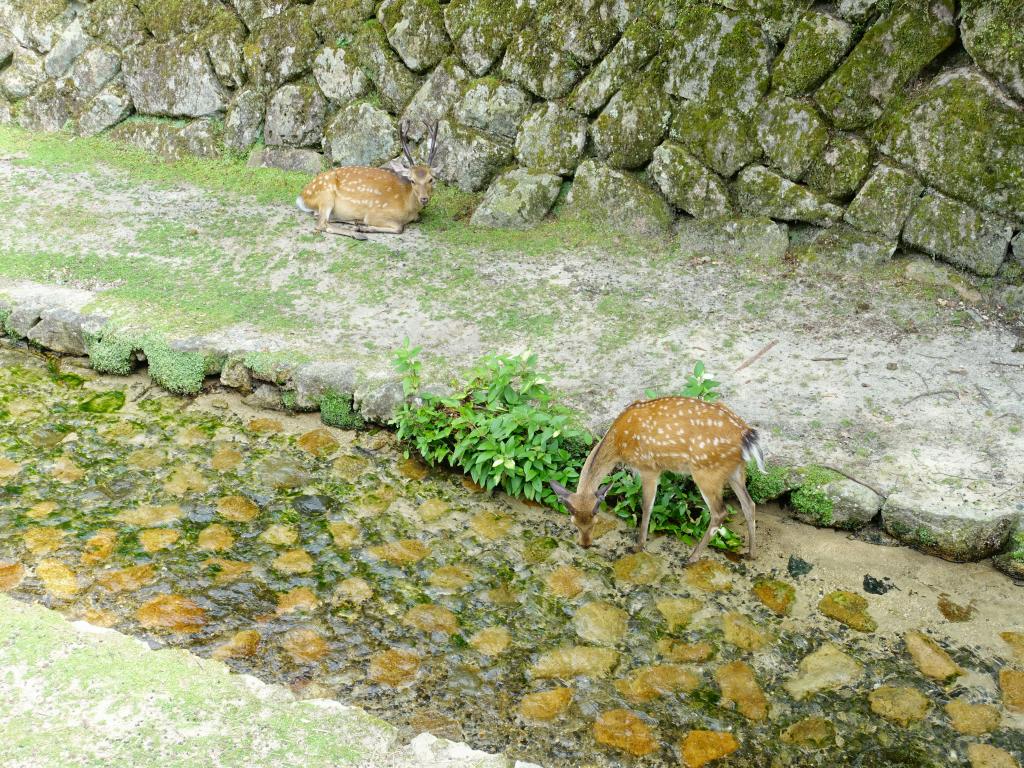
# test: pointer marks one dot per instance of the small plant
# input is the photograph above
(697, 385)
(336, 411)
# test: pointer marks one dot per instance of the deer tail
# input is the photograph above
(301, 205)
(750, 447)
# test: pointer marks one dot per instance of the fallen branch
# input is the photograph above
(933, 392)
(754, 358)
(1008, 365)
(848, 476)
(827, 359)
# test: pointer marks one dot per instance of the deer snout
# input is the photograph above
(424, 200)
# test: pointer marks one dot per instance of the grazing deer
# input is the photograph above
(675, 434)
(368, 199)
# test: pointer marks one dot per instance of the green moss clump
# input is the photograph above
(816, 45)
(1017, 552)
(809, 498)
(276, 367)
(767, 486)
(336, 411)
(104, 402)
(179, 372)
(110, 352)
(722, 139)
(168, 18)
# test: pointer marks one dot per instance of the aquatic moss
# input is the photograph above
(104, 402)
(110, 352)
(809, 498)
(336, 411)
(179, 372)
(767, 486)
(1017, 547)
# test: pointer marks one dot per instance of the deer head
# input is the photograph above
(583, 507)
(420, 175)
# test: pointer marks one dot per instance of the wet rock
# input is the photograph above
(952, 611)
(225, 459)
(621, 729)
(361, 134)
(688, 653)
(491, 641)
(265, 426)
(601, 623)
(305, 645)
(677, 612)
(777, 595)
(100, 618)
(875, 586)
(349, 468)
(281, 49)
(984, 28)
(431, 618)
(988, 756)
(687, 184)
(709, 575)
(183, 480)
(353, 590)
(618, 199)
(241, 645)
(698, 748)
(404, 552)
(813, 732)
(237, 509)
(647, 683)
(929, 658)
(224, 570)
(215, 538)
(318, 442)
(278, 472)
(823, 497)
(468, 158)
(849, 609)
(640, 568)
(66, 471)
(627, 131)
(9, 469)
(293, 561)
(886, 58)
(517, 199)
(573, 661)
(760, 191)
(338, 74)
(414, 469)
(1011, 682)
(900, 704)
(59, 330)
(815, 47)
(791, 135)
(741, 632)
(973, 719)
(490, 525)
(148, 515)
(957, 233)
(1016, 642)
(173, 613)
(740, 688)
(287, 159)
(345, 535)
(827, 668)
(11, 576)
(551, 139)
(451, 577)
(99, 546)
(155, 539)
(395, 84)
(503, 595)
(59, 580)
(394, 667)
(797, 567)
(538, 550)
(42, 541)
(40, 510)
(129, 579)
(545, 705)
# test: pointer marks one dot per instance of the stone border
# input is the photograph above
(347, 398)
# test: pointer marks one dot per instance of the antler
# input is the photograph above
(402, 128)
(433, 143)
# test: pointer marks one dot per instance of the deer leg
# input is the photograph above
(392, 229)
(650, 492)
(346, 231)
(716, 507)
(738, 483)
(323, 217)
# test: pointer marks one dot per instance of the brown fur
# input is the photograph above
(675, 434)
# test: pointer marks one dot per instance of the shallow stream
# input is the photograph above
(327, 561)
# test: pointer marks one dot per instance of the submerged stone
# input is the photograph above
(353, 590)
(677, 611)
(825, 669)
(129, 579)
(318, 442)
(66, 471)
(394, 667)
(414, 469)
(988, 756)
(225, 459)
(739, 686)
(698, 748)
(42, 541)
(621, 729)
(815, 732)
(709, 575)
(279, 472)
(545, 705)
(8, 468)
(566, 581)
(148, 515)
(298, 599)
(491, 641)
(640, 568)
(503, 595)
(293, 561)
(741, 632)
(265, 426)
(184, 480)
(237, 509)
(433, 510)
(973, 719)
(929, 658)
(279, 535)
(226, 570)
(404, 552)
(216, 538)
(305, 645)
(349, 468)
(345, 535)
(1011, 682)
(11, 576)
(146, 458)
(241, 645)
(648, 683)
(173, 613)
(849, 609)
(491, 525)
(1016, 642)
(900, 704)
(451, 577)
(574, 661)
(777, 595)
(155, 539)
(676, 650)
(59, 580)
(100, 618)
(601, 623)
(432, 618)
(42, 509)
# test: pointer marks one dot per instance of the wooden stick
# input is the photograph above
(827, 359)
(754, 358)
(1008, 365)
(854, 479)
(933, 392)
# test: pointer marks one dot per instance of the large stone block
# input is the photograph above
(687, 184)
(552, 139)
(723, 140)
(23, 75)
(174, 79)
(993, 33)
(468, 158)
(761, 191)
(638, 44)
(71, 44)
(619, 200)
(339, 20)
(440, 92)
(395, 84)
(48, 109)
(295, 116)
(816, 46)
(166, 19)
(281, 48)
(791, 135)
(480, 29)
(415, 29)
(108, 108)
(841, 168)
(117, 22)
(518, 199)
(361, 134)
(538, 65)
(244, 120)
(891, 53)
(91, 72)
(884, 202)
(627, 131)
(492, 106)
(965, 139)
(957, 233)
(339, 75)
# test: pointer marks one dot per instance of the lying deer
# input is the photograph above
(372, 199)
(674, 434)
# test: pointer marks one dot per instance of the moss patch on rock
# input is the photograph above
(759, 190)
(632, 125)
(791, 135)
(841, 168)
(687, 183)
(722, 139)
(815, 47)
(551, 139)
(619, 199)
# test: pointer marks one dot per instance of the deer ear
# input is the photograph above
(560, 490)
(398, 166)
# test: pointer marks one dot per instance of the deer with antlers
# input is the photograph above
(368, 199)
(674, 434)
